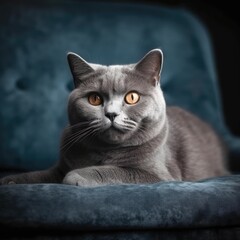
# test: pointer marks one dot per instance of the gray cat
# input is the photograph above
(120, 131)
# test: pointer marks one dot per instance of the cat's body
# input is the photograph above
(121, 131)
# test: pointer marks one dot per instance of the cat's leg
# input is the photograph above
(52, 175)
(105, 175)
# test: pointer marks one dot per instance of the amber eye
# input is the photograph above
(94, 99)
(132, 98)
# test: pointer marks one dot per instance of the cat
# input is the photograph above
(121, 131)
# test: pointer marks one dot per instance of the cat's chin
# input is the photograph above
(114, 136)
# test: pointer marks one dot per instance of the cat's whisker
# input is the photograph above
(83, 136)
(128, 127)
(74, 140)
(81, 124)
(79, 135)
(76, 133)
(130, 122)
(70, 141)
(78, 124)
(93, 134)
(87, 134)
(89, 124)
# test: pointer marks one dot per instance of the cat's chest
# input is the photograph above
(115, 157)
(119, 157)
(124, 157)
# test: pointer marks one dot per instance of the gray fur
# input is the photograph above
(144, 143)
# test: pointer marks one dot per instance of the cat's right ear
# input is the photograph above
(79, 67)
(151, 65)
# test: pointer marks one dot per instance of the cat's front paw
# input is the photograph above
(7, 180)
(74, 178)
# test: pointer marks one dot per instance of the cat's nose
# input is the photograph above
(111, 115)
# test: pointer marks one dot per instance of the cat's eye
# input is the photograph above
(94, 99)
(132, 98)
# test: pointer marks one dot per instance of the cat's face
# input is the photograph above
(116, 104)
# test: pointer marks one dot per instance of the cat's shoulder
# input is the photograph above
(178, 112)
(177, 115)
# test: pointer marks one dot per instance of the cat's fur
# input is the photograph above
(115, 142)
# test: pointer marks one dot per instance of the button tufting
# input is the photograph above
(22, 84)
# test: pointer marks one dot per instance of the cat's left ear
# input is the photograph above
(79, 67)
(151, 65)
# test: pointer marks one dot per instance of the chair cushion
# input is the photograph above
(211, 203)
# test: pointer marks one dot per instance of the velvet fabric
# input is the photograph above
(210, 203)
(35, 79)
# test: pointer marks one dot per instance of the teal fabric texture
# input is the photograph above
(35, 79)
(162, 206)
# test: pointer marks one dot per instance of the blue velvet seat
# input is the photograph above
(34, 85)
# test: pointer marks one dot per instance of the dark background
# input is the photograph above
(221, 21)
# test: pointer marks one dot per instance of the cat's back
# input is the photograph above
(186, 122)
(194, 145)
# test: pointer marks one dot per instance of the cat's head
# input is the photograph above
(118, 104)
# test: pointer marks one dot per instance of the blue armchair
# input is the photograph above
(34, 85)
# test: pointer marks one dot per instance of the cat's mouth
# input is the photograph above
(117, 127)
(118, 131)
